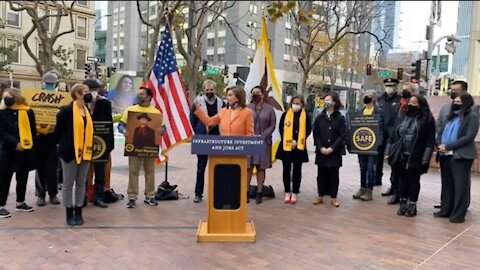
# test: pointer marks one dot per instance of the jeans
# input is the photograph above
(367, 170)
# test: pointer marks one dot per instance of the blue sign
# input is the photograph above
(227, 145)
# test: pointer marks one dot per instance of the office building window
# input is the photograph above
(45, 22)
(121, 65)
(221, 23)
(13, 18)
(252, 44)
(82, 3)
(80, 59)
(210, 42)
(115, 54)
(252, 8)
(121, 54)
(221, 42)
(288, 34)
(81, 27)
(210, 59)
(221, 58)
(14, 55)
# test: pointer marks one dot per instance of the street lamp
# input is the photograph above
(106, 15)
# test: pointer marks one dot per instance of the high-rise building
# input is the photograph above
(464, 23)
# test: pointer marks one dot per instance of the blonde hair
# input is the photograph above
(77, 88)
(17, 95)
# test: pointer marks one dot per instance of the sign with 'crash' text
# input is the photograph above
(46, 104)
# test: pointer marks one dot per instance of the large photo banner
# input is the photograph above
(123, 91)
(101, 131)
(142, 138)
(365, 134)
(46, 104)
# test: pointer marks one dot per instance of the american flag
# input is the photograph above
(169, 95)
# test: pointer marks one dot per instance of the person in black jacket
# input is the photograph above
(295, 127)
(101, 111)
(74, 135)
(457, 152)
(144, 136)
(17, 133)
(329, 135)
(409, 150)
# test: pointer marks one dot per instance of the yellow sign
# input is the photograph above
(364, 138)
(46, 104)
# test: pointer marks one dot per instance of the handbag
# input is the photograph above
(166, 192)
(395, 157)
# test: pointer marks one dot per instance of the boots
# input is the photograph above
(318, 200)
(367, 196)
(359, 193)
(393, 200)
(403, 207)
(70, 217)
(411, 209)
(78, 216)
(258, 198)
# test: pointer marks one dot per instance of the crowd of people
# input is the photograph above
(410, 135)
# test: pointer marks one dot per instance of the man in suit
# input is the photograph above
(143, 136)
(101, 111)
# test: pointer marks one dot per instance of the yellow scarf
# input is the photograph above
(24, 131)
(288, 131)
(82, 134)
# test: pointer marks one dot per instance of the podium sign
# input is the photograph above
(227, 186)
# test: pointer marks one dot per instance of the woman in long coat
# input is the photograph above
(264, 124)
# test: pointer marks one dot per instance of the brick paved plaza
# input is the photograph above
(358, 235)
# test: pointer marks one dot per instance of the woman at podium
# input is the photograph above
(234, 120)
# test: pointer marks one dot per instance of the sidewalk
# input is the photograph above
(357, 235)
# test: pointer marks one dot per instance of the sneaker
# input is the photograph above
(41, 202)
(24, 207)
(131, 204)
(152, 201)
(54, 200)
(198, 198)
(4, 213)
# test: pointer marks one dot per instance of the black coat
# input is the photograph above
(64, 133)
(147, 139)
(388, 105)
(295, 155)
(329, 132)
(9, 135)
(102, 112)
(423, 141)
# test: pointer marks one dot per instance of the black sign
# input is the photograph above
(227, 145)
(101, 132)
(365, 134)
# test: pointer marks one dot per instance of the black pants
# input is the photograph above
(327, 181)
(201, 166)
(6, 179)
(456, 182)
(287, 176)
(99, 184)
(395, 182)
(47, 161)
(379, 165)
(409, 183)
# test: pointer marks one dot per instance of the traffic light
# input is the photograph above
(110, 71)
(399, 74)
(416, 68)
(88, 69)
(368, 69)
(438, 83)
(204, 65)
(225, 70)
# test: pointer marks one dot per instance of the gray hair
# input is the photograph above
(209, 82)
(371, 93)
(412, 86)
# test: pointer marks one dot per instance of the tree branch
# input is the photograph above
(141, 16)
(72, 26)
(38, 65)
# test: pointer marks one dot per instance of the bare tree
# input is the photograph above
(58, 10)
(318, 26)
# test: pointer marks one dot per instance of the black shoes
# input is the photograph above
(4, 213)
(439, 214)
(389, 192)
(393, 200)
(437, 206)
(70, 216)
(23, 207)
(403, 207)
(100, 204)
(198, 198)
(131, 204)
(258, 198)
(78, 216)
(411, 209)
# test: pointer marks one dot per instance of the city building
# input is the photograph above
(17, 25)
(464, 23)
(473, 75)
(101, 46)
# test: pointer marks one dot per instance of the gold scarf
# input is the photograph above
(24, 131)
(288, 131)
(82, 134)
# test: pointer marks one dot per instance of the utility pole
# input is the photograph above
(430, 31)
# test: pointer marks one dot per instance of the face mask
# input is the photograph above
(367, 100)
(455, 107)
(49, 87)
(296, 107)
(390, 90)
(406, 94)
(411, 108)
(256, 98)
(453, 95)
(9, 101)
(94, 95)
(210, 95)
(87, 98)
(327, 104)
(140, 100)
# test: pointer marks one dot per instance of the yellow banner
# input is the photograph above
(46, 104)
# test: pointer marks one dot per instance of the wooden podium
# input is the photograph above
(227, 187)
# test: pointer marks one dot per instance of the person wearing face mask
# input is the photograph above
(211, 105)
(264, 124)
(74, 136)
(387, 101)
(295, 126)
(17, 132)
(101, 111)
(46, 177)
(368, 161)
(409, 150)
(144, 99)
(329, 132)
(456, 153)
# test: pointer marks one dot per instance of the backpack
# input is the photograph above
(166, 192)
(111, 196)
(267, 192)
